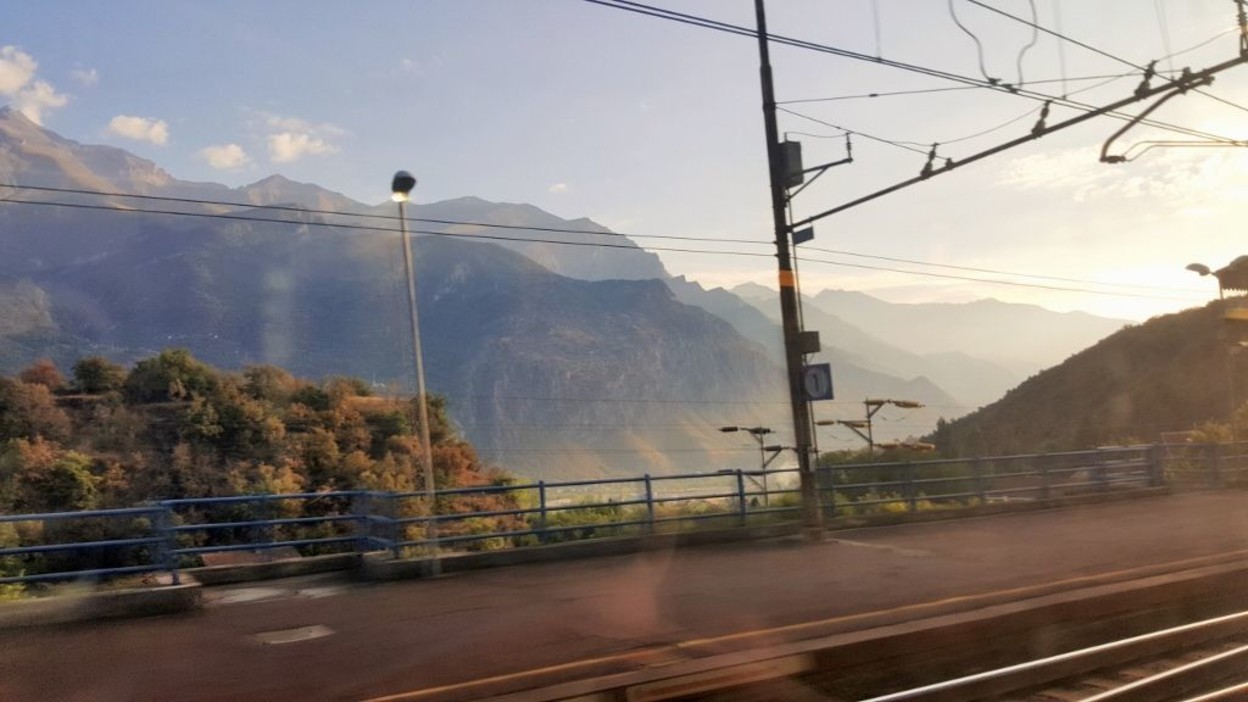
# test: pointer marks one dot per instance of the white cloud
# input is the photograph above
(225, 156)
(40, 96)
(155, 131)
(288, 147)
(291, 138)
(295, 124)
(558, 188)
(17, 68)
(86, 76)
(17, 81)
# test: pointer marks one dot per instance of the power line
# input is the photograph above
(993, 271)
(287, 208)
(706, 23)
(1100, 52)
(556, 242)
(949, 89)
(1001, 282)
(367, 215)
(359, 227)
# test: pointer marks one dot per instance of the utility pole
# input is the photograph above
(812, 517)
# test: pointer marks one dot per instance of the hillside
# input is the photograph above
(1167, 374)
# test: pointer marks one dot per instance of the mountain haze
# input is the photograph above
(1167, 374)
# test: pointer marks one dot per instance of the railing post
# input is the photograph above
(394, 530)
(542, 535)
(830, 501)
(1156, 470)
(649, 503)
(741, 506)
(1046, 483)
(162, 523)
(912, 502)
(1214, 468)
(1102, 471)
(361, 511)
(977, 473)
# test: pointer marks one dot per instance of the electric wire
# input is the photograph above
(369, 215)
(288, 208)
(1105, 80)
(948, 89)
(705, 23)
(557, 242)
(1061, 45)
(1095, 50)
(993, 271)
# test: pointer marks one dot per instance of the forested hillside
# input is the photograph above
(1167, 374)
(172, 426)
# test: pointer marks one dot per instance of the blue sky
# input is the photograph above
(653, 127)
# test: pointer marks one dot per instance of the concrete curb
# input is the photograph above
(250, 572)
(923, 637)
(103, 604)
(379, 566)
(991, 510)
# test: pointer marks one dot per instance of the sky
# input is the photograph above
(653, 127)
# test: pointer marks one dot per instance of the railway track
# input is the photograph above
(1205, 661)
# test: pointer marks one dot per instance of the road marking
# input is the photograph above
(240, 595)
(664, 653)
(286, 636)
(884, 547)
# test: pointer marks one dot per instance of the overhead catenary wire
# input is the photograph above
(705, 23)
(1100, 52)
(557, 242)
(1064, 80)
(302, 210)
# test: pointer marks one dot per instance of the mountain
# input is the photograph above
(550, 375)
(537, 234)
(1022, 338)
(1167, 374)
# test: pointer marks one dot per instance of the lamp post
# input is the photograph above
(763, 459)
(1228, 361)
(400, 191)
(858, 425)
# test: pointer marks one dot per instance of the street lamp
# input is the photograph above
(1233, 273)
(400, 191)
(763, 450)
(858, 425)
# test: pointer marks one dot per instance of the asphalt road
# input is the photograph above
(317, 638)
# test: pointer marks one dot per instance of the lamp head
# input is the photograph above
(1199, 268)
(402, 185)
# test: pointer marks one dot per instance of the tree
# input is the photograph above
(43, 372)
(173, 374)
(96, 375)
(29, 411)
(40, 476)
(269, 384)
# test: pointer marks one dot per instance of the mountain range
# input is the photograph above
(1168, 374)
(557, 359)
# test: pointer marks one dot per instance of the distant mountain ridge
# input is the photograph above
(578, 358)
(1167, 374)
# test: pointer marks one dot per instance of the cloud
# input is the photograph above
(291, 138)
(17, 68)
(225, 156)
(155, 131)
(1183, 179)
(288, 147)
(86, 76)
(30, 96)
(558, 188)
(295, 124)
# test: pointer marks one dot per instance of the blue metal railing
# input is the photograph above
(170, 535)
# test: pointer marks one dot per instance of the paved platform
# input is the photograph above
(316, 638)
